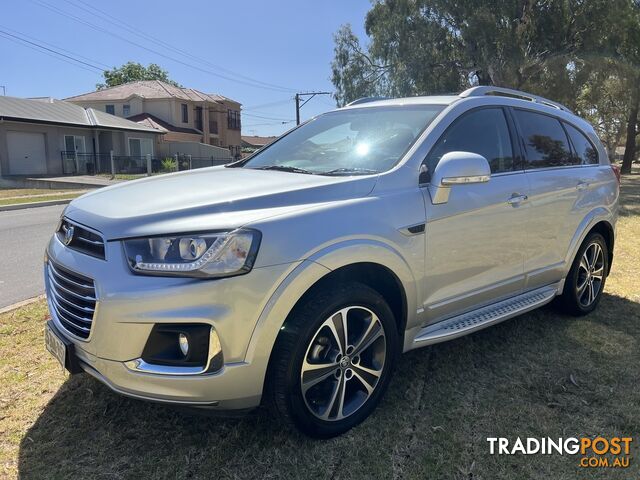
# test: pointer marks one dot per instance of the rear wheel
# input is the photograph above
(585, 282)
(333, 359)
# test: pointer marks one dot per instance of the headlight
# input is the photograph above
(219, 254)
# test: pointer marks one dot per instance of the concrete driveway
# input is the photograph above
(23, 237)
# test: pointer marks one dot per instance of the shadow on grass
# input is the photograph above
(541, 374)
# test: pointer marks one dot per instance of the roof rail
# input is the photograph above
(508, 92)
(365, 100)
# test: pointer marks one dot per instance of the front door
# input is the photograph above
(474, 241)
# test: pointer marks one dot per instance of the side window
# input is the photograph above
(484, 132)
(545, 140)
(585, 152)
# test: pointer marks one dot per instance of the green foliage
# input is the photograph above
(168, 165)
(132, 72)
(585, 54)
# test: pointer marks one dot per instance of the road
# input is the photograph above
(23, 237)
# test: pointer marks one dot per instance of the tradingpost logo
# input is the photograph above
(599, 452)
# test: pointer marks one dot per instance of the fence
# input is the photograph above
(106, 163)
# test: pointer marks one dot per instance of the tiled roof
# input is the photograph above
(253, 140)
(152, 121)
(149, 89)
(61, 112)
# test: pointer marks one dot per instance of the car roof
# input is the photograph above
(425, 100)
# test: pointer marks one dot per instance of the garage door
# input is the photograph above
(27, 155)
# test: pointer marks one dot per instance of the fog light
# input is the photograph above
(183, 341)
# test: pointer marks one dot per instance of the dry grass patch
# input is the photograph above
(542, 374)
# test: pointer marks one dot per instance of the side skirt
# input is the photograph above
(484, 317)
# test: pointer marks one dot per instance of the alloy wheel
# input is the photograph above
(590, 274)
(343, 363)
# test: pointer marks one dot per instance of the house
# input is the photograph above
(253, 142)
(185, 115)
(40, 137)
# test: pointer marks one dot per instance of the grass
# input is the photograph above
(40, 198)
(541, 374)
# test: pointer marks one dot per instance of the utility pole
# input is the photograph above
(305, 94)
(4, 90)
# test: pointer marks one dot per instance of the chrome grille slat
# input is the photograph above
(71, 314)
(81, 239)
(86, 240)
(70, 292)
(72, 299)
(71, 304)
(88, 286)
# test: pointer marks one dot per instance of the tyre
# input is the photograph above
(333, 359)
(585, 282)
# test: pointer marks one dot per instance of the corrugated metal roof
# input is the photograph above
(149, 89)
(61, 112)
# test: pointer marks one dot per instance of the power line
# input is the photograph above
(51, 52)
(56, 47)
(151, 50)
(264, 117)
(132, 29)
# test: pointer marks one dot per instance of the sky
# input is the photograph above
(259, 53)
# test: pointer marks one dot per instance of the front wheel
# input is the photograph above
(333, 359)
(585, 282)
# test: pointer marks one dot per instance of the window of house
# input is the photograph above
(484, 132)
(198, 118)
(233, 119)
(111, 109)
(584, 151)
(140, 147)
(185, 113)
(126, 110)
(74, 144)
(545, 140)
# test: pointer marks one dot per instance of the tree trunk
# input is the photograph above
(632, 130)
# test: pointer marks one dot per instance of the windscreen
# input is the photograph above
(348, 142)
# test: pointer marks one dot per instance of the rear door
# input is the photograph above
(555, 185)
(474, 242)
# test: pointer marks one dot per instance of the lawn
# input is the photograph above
(12, 196)
(541, 374)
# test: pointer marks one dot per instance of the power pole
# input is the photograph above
(305, 94)
(4, 90)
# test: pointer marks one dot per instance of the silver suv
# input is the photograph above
(296, 277)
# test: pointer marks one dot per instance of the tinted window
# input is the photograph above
(110, 109)
(544, 139)
(484, 132)
(585, 152)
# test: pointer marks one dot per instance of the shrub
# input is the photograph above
(169, 165)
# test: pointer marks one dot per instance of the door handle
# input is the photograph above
(582, 186)
(516, 199)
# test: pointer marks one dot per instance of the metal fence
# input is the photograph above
(108, 164)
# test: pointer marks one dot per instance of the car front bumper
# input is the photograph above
(129, 305)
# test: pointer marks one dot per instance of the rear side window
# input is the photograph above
(584, 151)
(545, 141)
(484, 132)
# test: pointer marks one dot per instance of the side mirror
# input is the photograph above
(457, 168)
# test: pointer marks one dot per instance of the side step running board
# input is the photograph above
(484, 317)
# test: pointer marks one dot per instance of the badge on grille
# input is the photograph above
(68, 235)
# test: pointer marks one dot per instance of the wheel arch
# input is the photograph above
(599, 220)
(372, 264)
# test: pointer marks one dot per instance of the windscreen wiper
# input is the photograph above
(286, 168)
(351, 171)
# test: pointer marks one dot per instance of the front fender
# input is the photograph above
(307, 274)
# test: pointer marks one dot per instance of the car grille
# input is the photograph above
(81, 239)
(73, 297)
